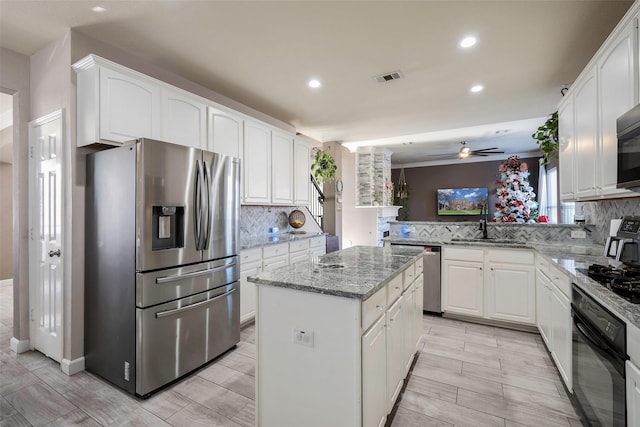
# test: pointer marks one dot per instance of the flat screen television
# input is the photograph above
(462, 201)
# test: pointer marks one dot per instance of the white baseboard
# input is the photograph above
(19, 346)
(6, 282)
(72, 367)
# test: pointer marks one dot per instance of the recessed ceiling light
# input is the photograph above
(477, 88)
(98, 9)
(468, 42)
(314, 83)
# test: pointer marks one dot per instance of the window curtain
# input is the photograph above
(542, 189)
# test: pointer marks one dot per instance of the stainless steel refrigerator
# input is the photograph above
(162, 295)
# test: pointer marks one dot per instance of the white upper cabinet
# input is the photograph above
(607, 87)
(183, 119)
(617, 91)
(586, 129)
(116, 105)
(257, 163)
(301, 172)
(281, 168)
(113, 105)
(225, 133)
(566, 137)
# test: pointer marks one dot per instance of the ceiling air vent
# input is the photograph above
(383, 78)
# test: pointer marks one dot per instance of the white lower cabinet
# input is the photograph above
(543, 306)
(253, 261)
(561, 327)
(511, 293)
(554, 316)
(633, 394)
(374, 375)
(463, 285)
(250, 265)
(492, 283)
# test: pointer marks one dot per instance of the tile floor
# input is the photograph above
(465, 375)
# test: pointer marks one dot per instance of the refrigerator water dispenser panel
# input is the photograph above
(168, 227)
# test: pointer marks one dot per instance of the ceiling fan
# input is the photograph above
(466, 151)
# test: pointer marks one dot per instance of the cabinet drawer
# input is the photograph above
(317, 251)
(253, 265)
(298, 256)
(374, 307)
(317, 241)
(299, 245)
(394, 289)
(561, 280)
(275, 262)
(275, 250)
(464, 254)
(409, 274)
(250, 255)
(513, 256)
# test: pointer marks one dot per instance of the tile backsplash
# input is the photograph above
(443, 231)
(258, 220)
(600, 213)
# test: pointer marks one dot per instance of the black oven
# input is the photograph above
(629, 149)
(599, 355)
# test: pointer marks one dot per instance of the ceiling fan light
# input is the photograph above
(465, 151)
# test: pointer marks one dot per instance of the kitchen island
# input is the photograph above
(336, 336)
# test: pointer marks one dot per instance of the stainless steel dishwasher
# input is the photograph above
(431, 276)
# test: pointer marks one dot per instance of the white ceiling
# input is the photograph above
(261, 53)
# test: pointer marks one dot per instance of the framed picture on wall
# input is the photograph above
(462, 201)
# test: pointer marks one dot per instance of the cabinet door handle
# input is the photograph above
(380, 307)
(480, 268)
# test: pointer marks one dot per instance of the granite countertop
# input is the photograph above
(272, 239)
(560, 248)
(356, 272)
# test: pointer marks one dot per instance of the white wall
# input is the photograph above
(14, 80)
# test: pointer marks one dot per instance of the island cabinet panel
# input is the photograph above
(316, 384)
(395, 351)
(332, 360)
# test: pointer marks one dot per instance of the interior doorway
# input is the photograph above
(6, 189)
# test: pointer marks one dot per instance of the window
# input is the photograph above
(567, 210)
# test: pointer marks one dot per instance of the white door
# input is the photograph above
(46, 229)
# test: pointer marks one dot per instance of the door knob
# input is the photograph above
(54, 253)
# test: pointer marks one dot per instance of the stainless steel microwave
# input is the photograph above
(629, 149)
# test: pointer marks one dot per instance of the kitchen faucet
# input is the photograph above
(484, 210)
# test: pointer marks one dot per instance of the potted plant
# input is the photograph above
(323, 166)
(547, 138)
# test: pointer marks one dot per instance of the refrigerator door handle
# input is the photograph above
(197, 211)
(175, 311)
(207, 208)
(167, 279)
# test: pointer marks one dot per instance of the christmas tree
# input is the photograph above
(516, 199)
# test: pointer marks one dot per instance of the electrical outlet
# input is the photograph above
(578, 234)
(303, 337)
